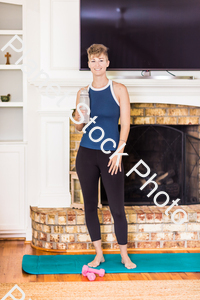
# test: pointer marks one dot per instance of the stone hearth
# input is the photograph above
(64, 229)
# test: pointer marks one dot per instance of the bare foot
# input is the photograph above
(128, 263)
(96, 262)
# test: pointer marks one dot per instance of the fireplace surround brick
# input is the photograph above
(144, 113)
(64, 229)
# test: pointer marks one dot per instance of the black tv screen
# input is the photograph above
(142, 34)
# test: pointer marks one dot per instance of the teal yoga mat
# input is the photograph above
(146, 263)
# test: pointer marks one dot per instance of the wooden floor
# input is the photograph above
(11, 254)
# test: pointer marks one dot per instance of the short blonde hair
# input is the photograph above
(97, 50)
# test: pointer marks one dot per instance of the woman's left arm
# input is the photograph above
(125, 126)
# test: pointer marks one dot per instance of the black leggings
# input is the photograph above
(90, 164)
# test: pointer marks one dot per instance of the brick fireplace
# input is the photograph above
(148, 113)
(148, 226)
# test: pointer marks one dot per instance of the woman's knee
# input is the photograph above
(118, 214)
(90, 208)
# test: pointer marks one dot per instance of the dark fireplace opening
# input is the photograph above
(170, 151)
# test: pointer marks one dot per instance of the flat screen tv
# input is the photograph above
(142, 34)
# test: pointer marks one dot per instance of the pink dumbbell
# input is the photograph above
(86, 269)
(91, 276)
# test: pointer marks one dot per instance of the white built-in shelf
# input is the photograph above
(10, 67)
(11, 104)
(12, 113)
(11, 32)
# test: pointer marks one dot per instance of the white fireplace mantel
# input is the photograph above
(169, 91)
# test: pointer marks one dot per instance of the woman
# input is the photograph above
(108, 101)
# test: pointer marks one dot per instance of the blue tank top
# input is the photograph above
(105, 106)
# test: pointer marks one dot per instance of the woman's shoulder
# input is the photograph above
(119, 90)
(118, 86)
(83, 88)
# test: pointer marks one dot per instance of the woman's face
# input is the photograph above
(98, 64)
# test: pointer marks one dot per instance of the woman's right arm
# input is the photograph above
(79, 127)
